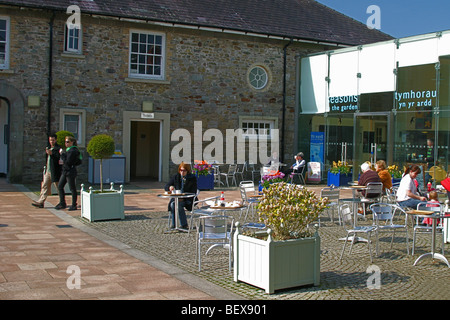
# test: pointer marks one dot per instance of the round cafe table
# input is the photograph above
(176, 197)
(433, 255)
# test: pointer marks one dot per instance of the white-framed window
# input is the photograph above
(258, 128)
(4, 42)
(258, 77)
(72, 39)
(74, 120)
(147, 55)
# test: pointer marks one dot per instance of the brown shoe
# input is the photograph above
(37, 204)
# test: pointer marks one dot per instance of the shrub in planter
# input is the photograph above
(101, 147)
(289, 256)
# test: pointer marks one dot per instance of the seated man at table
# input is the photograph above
(368, 175)
(185, 181)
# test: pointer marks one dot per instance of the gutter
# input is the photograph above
(283, 110)
(50, 71)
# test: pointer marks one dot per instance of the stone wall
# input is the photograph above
(206, 79)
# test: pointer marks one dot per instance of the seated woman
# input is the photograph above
(185, 181)
(407, 195)
(384, 174)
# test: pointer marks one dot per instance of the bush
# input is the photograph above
(101, 147)
(288, 210)
(61, 136)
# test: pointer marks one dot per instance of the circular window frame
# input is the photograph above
(265, 71)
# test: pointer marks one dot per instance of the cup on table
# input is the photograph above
(177, 191)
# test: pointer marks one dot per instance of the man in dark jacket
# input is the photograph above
(185, 181)
(52, 170)
(71, 158)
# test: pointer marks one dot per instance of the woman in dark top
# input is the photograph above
(71, 158)
(185, 181)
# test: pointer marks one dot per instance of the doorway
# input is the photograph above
(145, 150)
(4, 137)
(373, 140)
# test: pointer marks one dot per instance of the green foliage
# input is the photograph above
(61, 135)
(288, 209)
(101, 147)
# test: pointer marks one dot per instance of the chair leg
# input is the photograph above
(414, 242)
(370, 248)
(343, 248)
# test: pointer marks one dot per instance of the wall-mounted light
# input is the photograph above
(147, 106)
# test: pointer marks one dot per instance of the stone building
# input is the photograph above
(140, 70)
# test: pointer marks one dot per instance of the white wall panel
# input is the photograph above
(343, 74)
(313, 87)
(376, 65)
(417, 52)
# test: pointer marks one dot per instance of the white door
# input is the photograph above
(3, 145)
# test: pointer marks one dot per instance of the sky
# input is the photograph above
(399, 18)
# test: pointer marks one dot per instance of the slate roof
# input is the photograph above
(297, 19)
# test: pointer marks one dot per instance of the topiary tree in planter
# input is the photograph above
(101, 147)
(61, 135)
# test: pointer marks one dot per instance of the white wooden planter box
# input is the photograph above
(108, 205)
(273, 265)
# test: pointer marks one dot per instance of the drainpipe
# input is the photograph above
(284, 98)
(50, 71)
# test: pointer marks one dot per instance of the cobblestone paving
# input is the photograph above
(400, 280)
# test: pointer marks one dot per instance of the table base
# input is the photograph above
(433, 256)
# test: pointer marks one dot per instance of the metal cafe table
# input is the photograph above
(177, 196)
(434, 216)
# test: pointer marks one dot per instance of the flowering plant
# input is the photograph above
(340, 167)
(202, 168)
(288, 210)
(272, 178)
(394, 171)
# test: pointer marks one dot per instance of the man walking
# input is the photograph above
(52, 170)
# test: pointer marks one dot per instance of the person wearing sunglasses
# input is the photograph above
(185, 181)
(71, 158)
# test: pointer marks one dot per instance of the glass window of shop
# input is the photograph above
(421, 129)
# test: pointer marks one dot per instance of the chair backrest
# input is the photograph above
(216, 227)
(241, 168)
(246, 187)
(374, 188)
(346, 214)
(382, 212)
(330, 193)
(232, 169)
(430, 206)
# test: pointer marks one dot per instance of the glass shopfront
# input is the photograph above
(388, 101)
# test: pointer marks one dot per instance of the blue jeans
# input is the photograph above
(411, 203)
(185, 203)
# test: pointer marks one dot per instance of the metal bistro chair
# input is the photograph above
(333, 195)
(241, 170)
(386, 219)
(214, 231)
(353, 231)
(419, 228)
(247, 189)
(201, 208)
(298, 173)
(372, 194)
(231, 173)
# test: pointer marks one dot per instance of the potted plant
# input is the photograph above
(340, 174)
(289, 254)
(395, 172)
(205, 175)
(270, 178)
(102, 205)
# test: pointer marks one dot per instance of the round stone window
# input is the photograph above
(258, 77)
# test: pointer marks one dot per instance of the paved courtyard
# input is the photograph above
(146, 222)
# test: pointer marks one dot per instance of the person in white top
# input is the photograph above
(407, 195)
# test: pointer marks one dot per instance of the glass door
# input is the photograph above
(372, 139)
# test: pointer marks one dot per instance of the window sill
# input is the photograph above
(140, 80)
(6, 71)
(72, 55)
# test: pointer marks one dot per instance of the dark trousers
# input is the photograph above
(62, 183)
